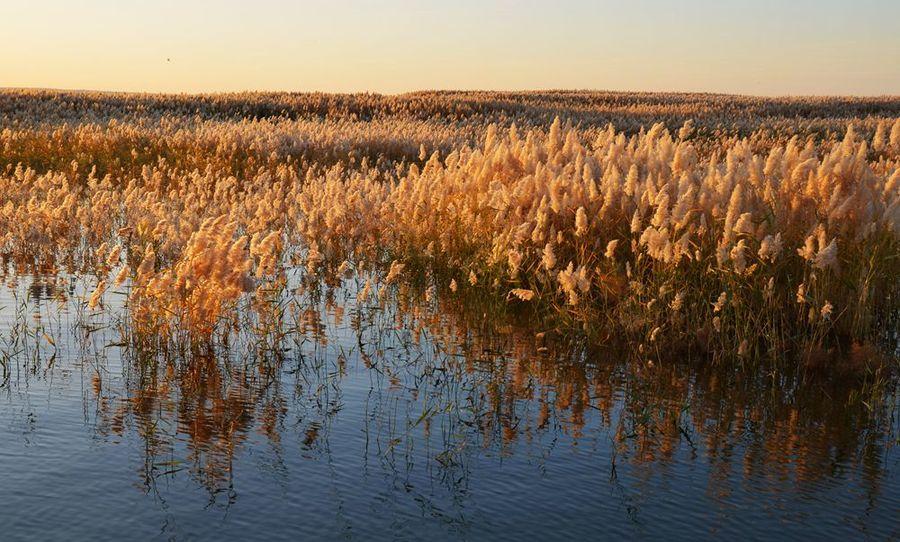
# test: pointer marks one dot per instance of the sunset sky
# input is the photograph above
(737, 46)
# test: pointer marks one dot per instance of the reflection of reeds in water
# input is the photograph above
(451, 385)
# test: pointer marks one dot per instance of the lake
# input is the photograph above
(408, 420)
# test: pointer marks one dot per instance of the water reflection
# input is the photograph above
(421, 403)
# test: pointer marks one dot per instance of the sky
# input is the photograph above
(764, 47)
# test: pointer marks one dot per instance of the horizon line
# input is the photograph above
(534, 90)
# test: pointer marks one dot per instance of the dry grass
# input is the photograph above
(739, 226)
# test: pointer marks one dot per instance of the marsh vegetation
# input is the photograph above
(464, 314)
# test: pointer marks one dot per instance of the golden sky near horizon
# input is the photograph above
(751, 47)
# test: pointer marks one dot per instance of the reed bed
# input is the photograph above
(736, 227)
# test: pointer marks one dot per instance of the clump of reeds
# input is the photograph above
(739, 251)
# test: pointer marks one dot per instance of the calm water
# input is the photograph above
(399, 422)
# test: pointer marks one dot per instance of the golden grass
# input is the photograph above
(740, 233)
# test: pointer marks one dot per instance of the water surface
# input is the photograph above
(403, 421)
